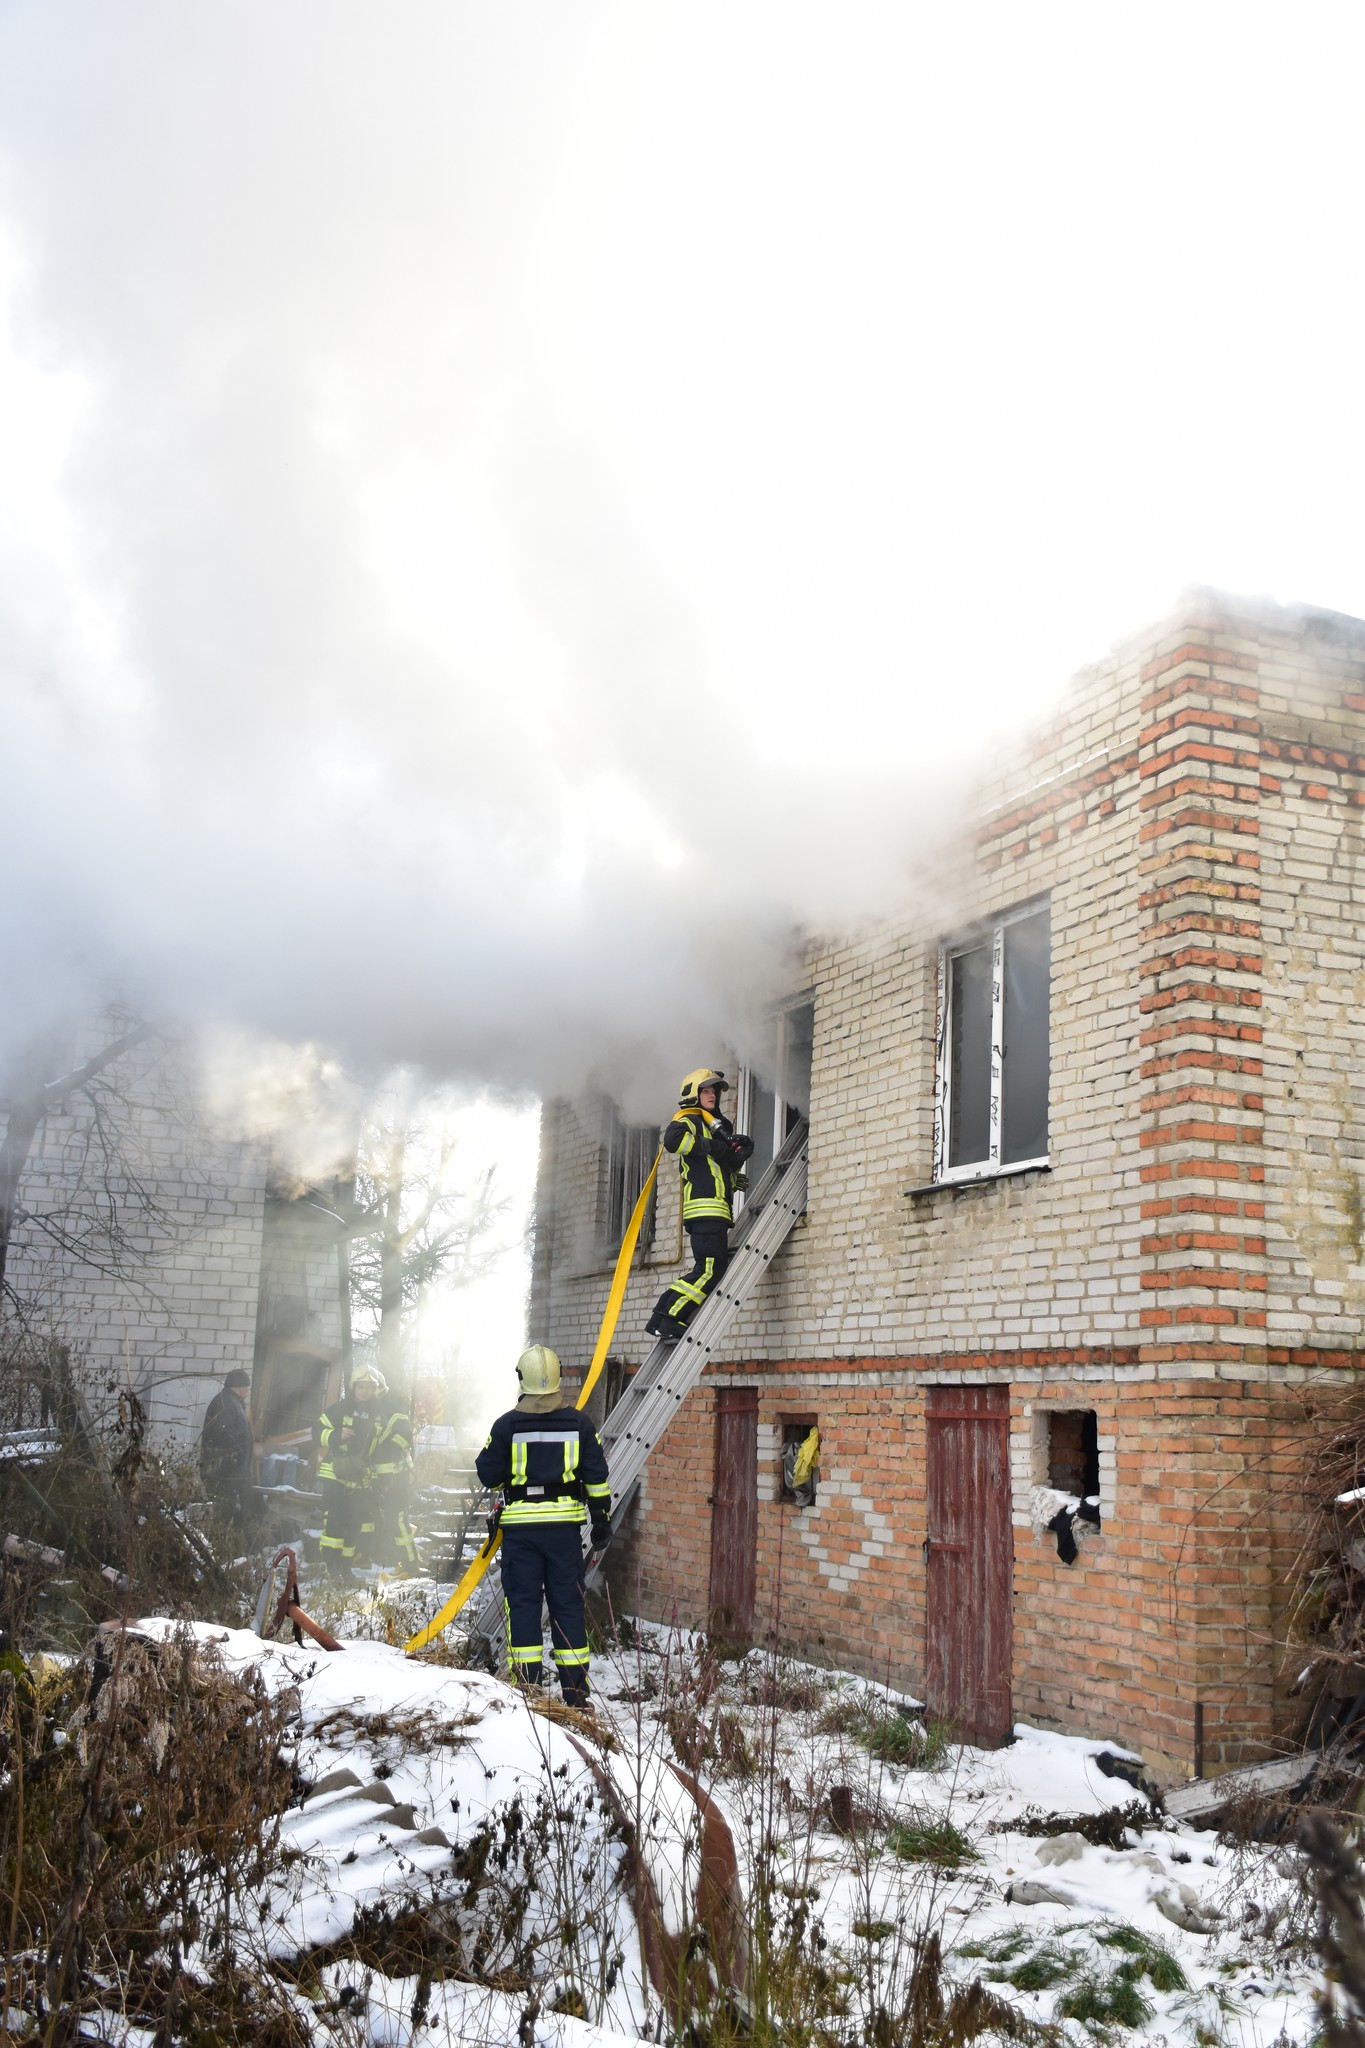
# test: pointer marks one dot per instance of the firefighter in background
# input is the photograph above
(364, 1472)
(385, 1532)
(547, 1460)
(346, 1434)
(710, 1154)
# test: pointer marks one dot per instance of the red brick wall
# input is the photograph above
(1200, 1241)
(1174, 1603)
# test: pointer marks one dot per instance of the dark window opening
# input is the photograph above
(775, 1091)
(1025, 1060)
(970, 1113)
(1073, 1457)
(613, 1382)
(628, 1156)
(794, 1433)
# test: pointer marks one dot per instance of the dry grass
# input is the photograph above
(121, 1853)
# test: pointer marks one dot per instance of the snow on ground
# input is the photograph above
(1154, 1896)
(1167, 1938)
(403, 1764)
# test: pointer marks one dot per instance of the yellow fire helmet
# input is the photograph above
(689, 1095)
(371, 1376)
(538, 1370)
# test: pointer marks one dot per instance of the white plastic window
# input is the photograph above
(993, 1048)
(773, 1093)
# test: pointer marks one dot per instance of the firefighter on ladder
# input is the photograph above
(547, 1460)
(710, 1153)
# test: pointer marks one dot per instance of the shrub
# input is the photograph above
(1151, 1957)
(1106, 2001)
(736, 1756)
(1107, 1829)
(1040, 1971)
(789, 1688)
(927, 1837)
(153, 1791)
(890, 1733)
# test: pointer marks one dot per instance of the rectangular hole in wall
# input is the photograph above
(1073, 1457)
(795, 1430)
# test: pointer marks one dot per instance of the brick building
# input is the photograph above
(160, 1252)
(1087, 1130)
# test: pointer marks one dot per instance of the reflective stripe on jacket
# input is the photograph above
(346, 1435)
(391, 1452)
(547, 1466)
(709, 1155)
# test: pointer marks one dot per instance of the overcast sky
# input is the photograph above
(474, 479)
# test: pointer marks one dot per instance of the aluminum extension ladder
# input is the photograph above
(658, 1390)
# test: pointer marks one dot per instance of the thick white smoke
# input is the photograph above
(509, 514)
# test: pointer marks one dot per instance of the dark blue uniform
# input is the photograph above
(551, 1470)
(710, 1152)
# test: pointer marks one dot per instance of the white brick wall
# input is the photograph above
(1047, 1261)
(1056, 1262)
(184, 1308)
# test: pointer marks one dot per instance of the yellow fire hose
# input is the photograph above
(475, 1571)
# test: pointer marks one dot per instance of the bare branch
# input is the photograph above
(56, 1092)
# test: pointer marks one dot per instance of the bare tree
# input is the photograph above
(105, 1168)
(414, 1226)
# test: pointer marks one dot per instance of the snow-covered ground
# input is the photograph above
(423, 1782)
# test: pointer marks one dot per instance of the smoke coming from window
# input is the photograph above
(510, 515)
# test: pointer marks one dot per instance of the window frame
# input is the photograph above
(618, 1137)
(784, 1107)
(994, 1166)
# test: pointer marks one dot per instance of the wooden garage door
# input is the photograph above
(970, 1560)
(734, 1516)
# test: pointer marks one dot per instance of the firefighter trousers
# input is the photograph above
(679, 1302)
(342, 1508)
(364, 1525)
(386, 1536)
(542, 1562)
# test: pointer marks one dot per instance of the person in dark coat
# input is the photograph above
(547, 1460)
(226, 1448)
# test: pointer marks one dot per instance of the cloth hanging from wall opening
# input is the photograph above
(1060, 1526)
(801, 1469)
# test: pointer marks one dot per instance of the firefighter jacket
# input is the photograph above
(390, 1462)
(347, 1435)
(709, 1154)
(549, 1467)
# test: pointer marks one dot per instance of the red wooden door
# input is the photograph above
(734, 1515)
(970, 1560)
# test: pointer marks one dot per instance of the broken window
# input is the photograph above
(775, 1091)
(1073, 1458)
(627, 1155)
(993, 1048)
(800, 1461)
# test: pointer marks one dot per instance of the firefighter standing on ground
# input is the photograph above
(364, 1467)
(547, 1460)
(710, 1154)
